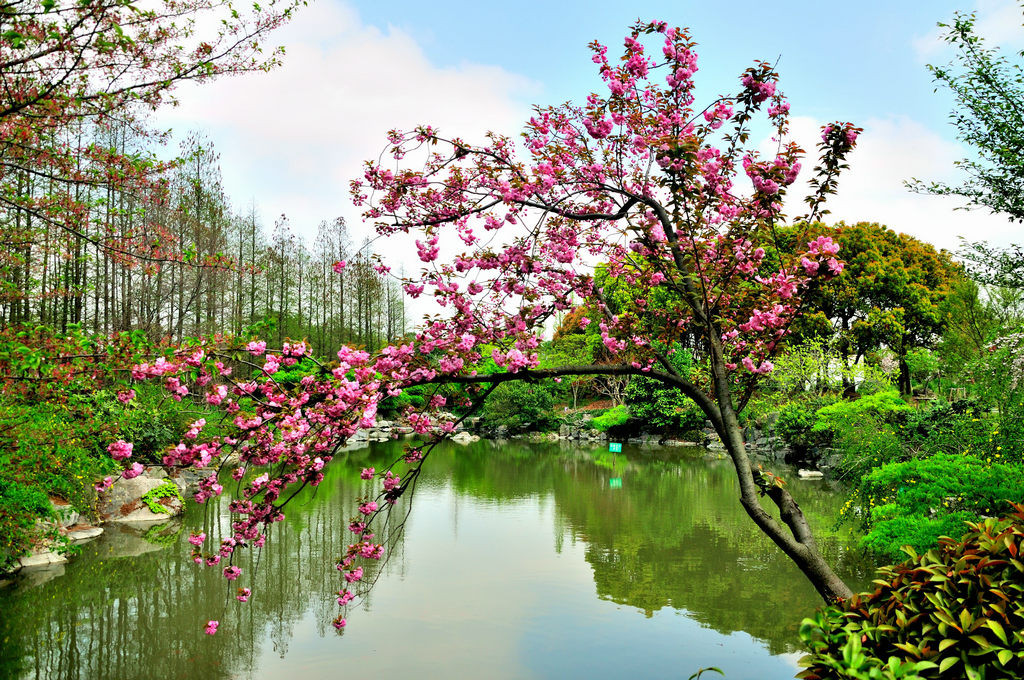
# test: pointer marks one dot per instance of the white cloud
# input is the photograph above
(889, 152)
(294, 138)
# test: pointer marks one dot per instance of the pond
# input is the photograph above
(517, 561)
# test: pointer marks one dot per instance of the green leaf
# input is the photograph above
(701, 672)
(980, 639)
(966, 619)
(997, 628)
(948, 663)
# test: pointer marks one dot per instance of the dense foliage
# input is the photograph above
(519, 406)
(890, 294)
(953, 611)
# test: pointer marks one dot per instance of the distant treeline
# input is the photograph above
(170, 256)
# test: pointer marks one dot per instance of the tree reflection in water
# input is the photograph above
(671, 537)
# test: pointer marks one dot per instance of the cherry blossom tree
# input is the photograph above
(669, 198)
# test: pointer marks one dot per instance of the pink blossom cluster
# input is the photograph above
(120, 450)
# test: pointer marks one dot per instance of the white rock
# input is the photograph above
(810, 474)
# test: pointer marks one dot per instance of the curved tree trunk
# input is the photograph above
(791, 531)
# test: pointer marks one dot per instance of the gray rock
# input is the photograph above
(354, 445)
(465, 438)
(84, 534)
(142, 515)
(124, 498)
(66, 514)
(188, 479)
(41, 560)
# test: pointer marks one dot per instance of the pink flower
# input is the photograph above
(367, 508)
(256, 348)
(125, 396)
(104, 485)
(120, 450)
(211, 627)
(231, 573)
(367, 473)
(243, 594)
(197, 539)
(134, 471)
(339, 266)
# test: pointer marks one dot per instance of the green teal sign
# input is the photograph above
(615, 447)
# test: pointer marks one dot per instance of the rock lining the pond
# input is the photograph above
(81, 533)
(44, 559)
(122, 502)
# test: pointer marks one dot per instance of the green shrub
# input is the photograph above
(865, 442)
(953, 612)
(885, 406)
(916, 501)
(292, 375)
(796, 424)
(617, 415)
(166, 490)
(411, 397)
(20, 506)
(59, 448)
(664, 408)
(520, 406)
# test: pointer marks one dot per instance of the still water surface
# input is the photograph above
(518, 561)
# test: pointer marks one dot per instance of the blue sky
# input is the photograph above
(292, 139)
(835, 62)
